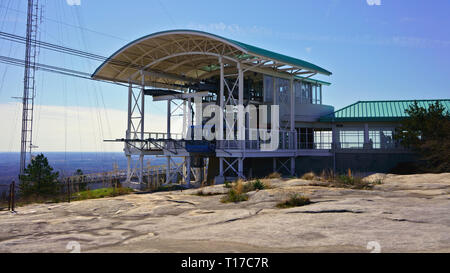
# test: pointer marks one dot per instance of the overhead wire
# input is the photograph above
(66, 50)
(64, 23)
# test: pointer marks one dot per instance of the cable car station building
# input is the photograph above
(185, 67)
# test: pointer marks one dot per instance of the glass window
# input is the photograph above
(298, 92)
(282, 86)
(268, 88)
(306, 92)
(323, 138)
(305, 138)
(351, 139)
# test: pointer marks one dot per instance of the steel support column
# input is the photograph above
(241, 168)
(292, 112)
(187, 161)
(221, 166)
(221, 99)
(292, 166)
(141, 156)
(135, 130)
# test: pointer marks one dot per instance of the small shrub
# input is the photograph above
(258, 185)
(203, 193)
(327, 176)
(169, 188)
(267, 184)
(236, 193)
(228, 184)
(377, 182)
(353, 182)
(274, 175)
(234, 196)
(309, 176)
(239, 186)
(296, 200)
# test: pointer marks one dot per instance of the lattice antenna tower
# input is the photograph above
(29, 84)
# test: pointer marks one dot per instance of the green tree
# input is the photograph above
(82, 185)
(427, 131)
(39, 178)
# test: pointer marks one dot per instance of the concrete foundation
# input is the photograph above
(356, 161)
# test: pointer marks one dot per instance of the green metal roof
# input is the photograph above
(279, 57)
(378, 110)
(312, 80)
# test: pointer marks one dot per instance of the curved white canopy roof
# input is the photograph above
(181, 56)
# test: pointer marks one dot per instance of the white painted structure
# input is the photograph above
(183, 60)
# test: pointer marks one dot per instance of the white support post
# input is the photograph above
(169, 116)
(366, 144)
(198, 119)
(142, 108)
(336, 138)
(221, 99)
(188, 171)
(315, 94)
(292, 117)
(241, 167)
(141, 156)
(168, 180)
(241, 124)
(275, 91)
(130, 94)
(320, 94)
(221, 166)
(141, 169)
(128, 168)
(189, 118)
(128, 133)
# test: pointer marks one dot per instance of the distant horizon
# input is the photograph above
(3, 152)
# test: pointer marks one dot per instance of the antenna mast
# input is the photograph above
(29, 91)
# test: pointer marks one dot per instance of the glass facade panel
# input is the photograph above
(323, 138)
(268, 88)
(305, 138)
(351, 139)
(306, 92)
(298, 92)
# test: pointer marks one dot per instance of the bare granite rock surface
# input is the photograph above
(405, 213)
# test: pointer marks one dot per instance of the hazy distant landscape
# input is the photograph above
(68, 163)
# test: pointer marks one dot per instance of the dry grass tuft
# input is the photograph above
(349, 180)
(309, 176)
(274, 175)
(203, 193)
(295, 200)
(236, 193)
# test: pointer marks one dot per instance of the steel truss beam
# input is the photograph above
(231, 166)
(283, 164)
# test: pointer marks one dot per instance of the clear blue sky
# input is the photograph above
(397, 50)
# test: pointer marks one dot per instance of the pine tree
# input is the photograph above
(427, 131)
(39, 178)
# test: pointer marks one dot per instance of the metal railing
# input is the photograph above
(8, 196)
(287, 140)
